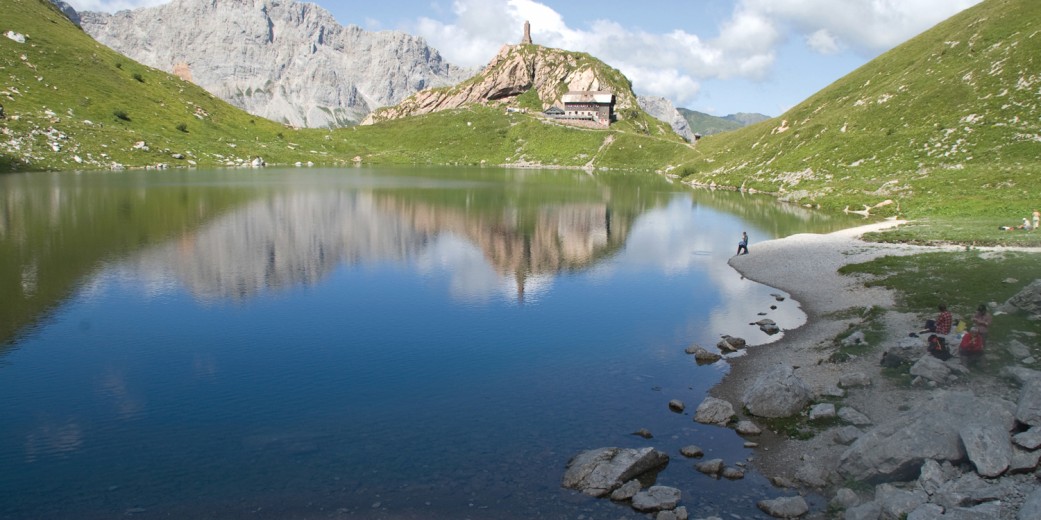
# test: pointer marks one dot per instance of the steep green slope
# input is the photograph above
(70, 102)
(947, 123)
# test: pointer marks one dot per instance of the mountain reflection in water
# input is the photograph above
(298, 238)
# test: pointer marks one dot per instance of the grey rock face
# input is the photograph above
(1029, 409)
(663, 110)
(599, 472)
(1031, 508)
(778, 392)
(286, 61)
(931, 368)
(784, 507)
(988, 447)
(822, 411)
(1028, 299)
(897, 449)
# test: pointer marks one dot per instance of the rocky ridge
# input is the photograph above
(663, 110)
(516, 70)
(286, 61)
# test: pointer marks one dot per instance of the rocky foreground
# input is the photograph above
(957, 444)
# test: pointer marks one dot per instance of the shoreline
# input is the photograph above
(806, 267)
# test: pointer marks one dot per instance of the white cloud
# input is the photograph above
(111, 6)
(823, 42)
(866, 26)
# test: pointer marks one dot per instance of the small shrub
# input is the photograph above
(138, 77)
(182, 127)
(119, 65)
(121, 114)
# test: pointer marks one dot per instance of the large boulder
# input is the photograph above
(778, 392)
(931, 368)
(1028, 300)
(988, 447)
(600, 471)
(896, 450)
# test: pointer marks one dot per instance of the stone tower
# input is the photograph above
(527, 34)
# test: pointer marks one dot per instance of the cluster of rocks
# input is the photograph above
(619, 473)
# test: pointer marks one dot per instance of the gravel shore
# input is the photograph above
(806, 267)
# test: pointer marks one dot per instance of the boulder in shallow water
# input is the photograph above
(599, 472)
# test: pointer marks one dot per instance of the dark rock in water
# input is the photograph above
(676, 405)
(773, 307)
(599, 472)
(657, 498)
(643, 432)
(732, 473)
(730, 344)
(777, 297)
(704, 357)
(692, 451)
(627, 491)
(710, 467)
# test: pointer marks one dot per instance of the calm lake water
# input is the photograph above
(364, 343)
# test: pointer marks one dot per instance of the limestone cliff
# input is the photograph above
(287, 61)
(539, 73)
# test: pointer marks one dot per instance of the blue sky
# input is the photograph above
(715, 56)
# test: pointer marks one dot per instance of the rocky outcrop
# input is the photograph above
(663, 110)
(286, 61)
(516, 70)
(935, 430)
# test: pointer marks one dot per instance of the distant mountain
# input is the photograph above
(705, 124)
(948, 118)
(287, 61)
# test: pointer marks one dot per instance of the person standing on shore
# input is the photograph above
(1037, 218)
(743, 244)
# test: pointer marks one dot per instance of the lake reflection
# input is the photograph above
(413, 343)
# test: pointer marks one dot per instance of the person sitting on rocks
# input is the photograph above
(943, 321)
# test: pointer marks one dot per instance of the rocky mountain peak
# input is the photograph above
(514, 71)
(284, 60)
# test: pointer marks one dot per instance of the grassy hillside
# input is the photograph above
(947, 124)
(706, 124)
(72, 103)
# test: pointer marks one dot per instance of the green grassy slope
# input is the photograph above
(948, 123)
(72, 103)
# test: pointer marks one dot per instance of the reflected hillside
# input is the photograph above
(56, 229)
(299, 237)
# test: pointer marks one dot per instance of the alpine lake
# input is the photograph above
(386, 343)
